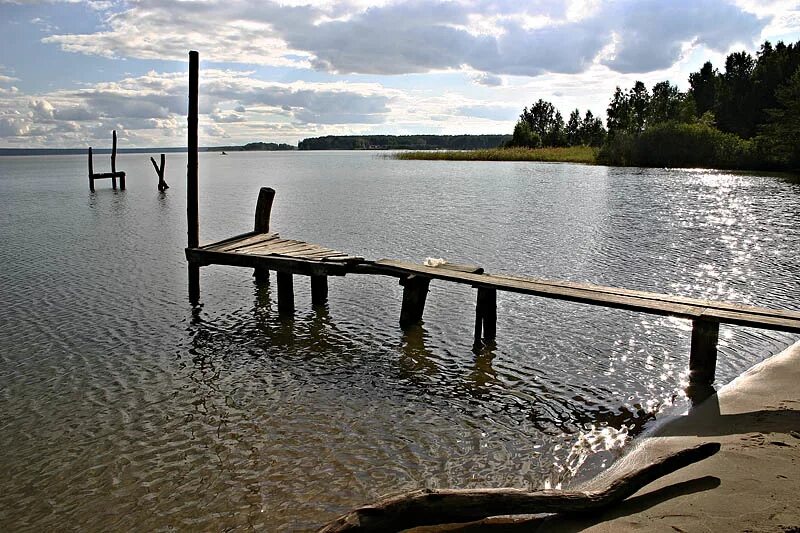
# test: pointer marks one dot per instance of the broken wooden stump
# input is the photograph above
(162, 185)
(446, 506)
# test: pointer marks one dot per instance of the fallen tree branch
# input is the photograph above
(429, 506)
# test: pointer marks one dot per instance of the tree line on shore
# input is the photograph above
(403, 142)
(747, 116)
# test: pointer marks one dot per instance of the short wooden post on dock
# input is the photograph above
(192, 197)
(415, 292)
(91, 171)
(486, 315)
(285, 293)
(263, 213)
(319, 290)
(703, 354)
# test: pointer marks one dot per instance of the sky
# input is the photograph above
(281, 71)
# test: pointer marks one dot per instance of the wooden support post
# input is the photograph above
(194, 283)
(415, 292)
(319, 290)
(285, 293)
(91, 171)
(192, 202)
(263, 212)
(486, 315)
(703, 355)
(114, 160)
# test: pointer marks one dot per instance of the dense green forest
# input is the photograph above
(403, 142)
(747, 116)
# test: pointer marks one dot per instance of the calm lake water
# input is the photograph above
(125, 408)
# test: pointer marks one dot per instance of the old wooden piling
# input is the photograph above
(485, 315)
(703, 352)
(162, 185)
(285, 293)
(415, 292)
(192, 197)
(266, 195)
(91, 171)
(319, 290)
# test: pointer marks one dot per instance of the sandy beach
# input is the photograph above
(751, 485)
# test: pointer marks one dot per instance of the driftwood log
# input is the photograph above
(162, 185)
(428, 506)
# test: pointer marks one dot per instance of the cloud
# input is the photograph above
(489, 80)
(157, 102)
(415, 36)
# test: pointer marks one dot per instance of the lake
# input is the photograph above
(126, 408)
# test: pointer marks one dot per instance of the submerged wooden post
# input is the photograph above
(285, 293)
(91, 171)
(703, 354)
(263, 213)
(415, 292)
(192, 200)
(162, 185)
(486, 315)
(319, 290)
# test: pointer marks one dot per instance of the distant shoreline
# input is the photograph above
(573, 154)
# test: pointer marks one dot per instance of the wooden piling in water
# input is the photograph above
(91, 171)
(266, 195)
(415, 292)
(486, 315)
(319, 290)
(285, 293)
(162, 185)
(192, 197)
(703, 354)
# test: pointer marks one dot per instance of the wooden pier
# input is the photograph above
(264, 250)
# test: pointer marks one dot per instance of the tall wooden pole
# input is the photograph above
(192, 198)
(114, 159)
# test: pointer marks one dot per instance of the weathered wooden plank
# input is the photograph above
(346, 259)
(217, 244)
(685, 300)
(105, 175)
(537, 289)
(313, 252)
(606, 299)
(282, 249)
(470, 269)
(253, 239)
(270, 262)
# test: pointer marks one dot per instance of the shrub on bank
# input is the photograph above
(677, 144)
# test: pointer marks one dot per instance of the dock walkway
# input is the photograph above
(265, 251)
